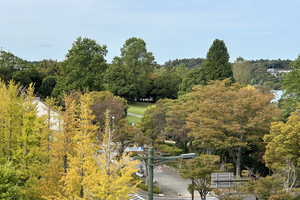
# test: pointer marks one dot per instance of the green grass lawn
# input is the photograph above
(138, 107)
(132, 119)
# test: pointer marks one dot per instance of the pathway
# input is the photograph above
(135, 115)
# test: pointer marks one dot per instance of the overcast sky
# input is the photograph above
(42, 29)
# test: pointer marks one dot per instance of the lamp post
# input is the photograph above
(113, 118)
(156, 160)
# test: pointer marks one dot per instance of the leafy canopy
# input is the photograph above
(230, 116)
(83, 67)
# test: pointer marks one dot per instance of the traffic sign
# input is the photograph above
(159, 167)
(127, 149)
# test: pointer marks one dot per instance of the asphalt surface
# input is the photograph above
(171, 185)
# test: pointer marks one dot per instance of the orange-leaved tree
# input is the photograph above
(230, 116)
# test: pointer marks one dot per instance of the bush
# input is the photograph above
(143, 185)
(170, 149)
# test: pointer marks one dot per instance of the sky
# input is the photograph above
(253, 29)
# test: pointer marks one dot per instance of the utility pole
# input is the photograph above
(156, 160)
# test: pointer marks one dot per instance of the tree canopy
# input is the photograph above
(193, 77)
(135, 63)
(242, 71)
(216, 65)
(282, 142)
(83, 68)
(167, 84)
(290, 85)
(230, 117)
(199, 172)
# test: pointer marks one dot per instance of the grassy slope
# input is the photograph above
(137, 108)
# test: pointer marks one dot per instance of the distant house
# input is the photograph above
(278, 72)
(42, 108)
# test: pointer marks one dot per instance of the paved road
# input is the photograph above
(140, 116)
(171, 183)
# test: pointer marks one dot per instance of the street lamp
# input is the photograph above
(113, 118)
(156, 160)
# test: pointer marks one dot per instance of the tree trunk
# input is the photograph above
(65, 160)
(203, 195)
(238, 162)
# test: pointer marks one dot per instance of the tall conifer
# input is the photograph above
(216, 65)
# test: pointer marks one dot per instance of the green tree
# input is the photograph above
(277, 86)
(9, 180)
(190, 63)
(152, 93)
(241, 71)
(268, 188)
(153, 121)
(9, 63)
(117, 78)
(216, 65)
(260, 70)
(13, 67)
(193, 77)
(167, 85)
(290, 85)
(47, 67)
(273, 78)
(199, 172)
(47, 86)
(83, 68)
(269, 84)
(138, 64)
(181, 70)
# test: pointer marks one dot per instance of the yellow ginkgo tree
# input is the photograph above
(90, 175)
(282, 149)
(116, 181)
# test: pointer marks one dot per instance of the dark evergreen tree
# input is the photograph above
(117, 78)
(47, 86)
(216, 65)
(167, 84)
(193, 77)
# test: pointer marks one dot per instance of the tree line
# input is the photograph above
(133, 75)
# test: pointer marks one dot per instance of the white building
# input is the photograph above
(42, 109)
(276, 72)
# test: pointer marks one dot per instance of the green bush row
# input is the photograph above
(143, 185)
